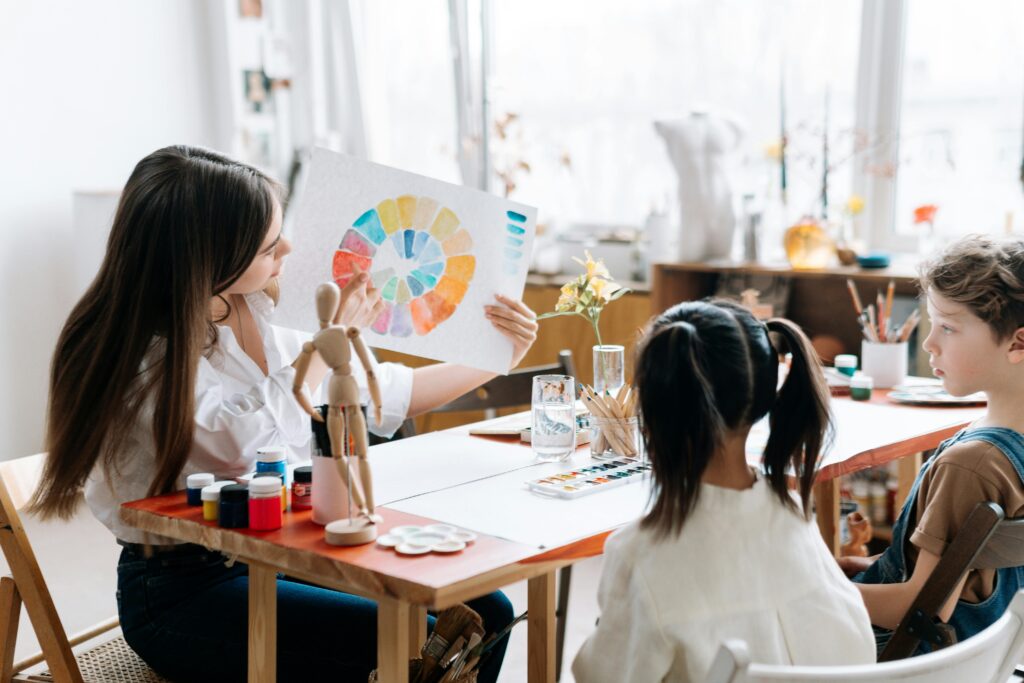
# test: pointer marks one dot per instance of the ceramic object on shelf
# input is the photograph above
(808, 245)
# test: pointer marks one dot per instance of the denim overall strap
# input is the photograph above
(968, 618)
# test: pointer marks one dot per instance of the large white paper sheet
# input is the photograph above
(438, 252)
(440, 460)
(502, 506)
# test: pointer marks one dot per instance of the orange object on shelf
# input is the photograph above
(808, 245)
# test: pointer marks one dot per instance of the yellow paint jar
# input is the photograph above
(210, 496)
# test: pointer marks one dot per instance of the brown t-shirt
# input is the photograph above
(965, 474)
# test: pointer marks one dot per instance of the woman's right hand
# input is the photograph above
(360, 302)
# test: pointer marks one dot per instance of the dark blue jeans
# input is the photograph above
(186, 614)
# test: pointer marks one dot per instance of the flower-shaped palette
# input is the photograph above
(420, 540)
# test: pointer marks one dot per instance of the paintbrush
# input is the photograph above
(451, 623)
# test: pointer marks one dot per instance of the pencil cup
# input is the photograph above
(885, 363)
(615, 437)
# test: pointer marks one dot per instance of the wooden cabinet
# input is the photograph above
(818, 299)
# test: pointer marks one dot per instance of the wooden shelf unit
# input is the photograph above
(818, 299)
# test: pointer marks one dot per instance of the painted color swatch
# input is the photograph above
(424, 261)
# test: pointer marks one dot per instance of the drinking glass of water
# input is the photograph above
(553, 427)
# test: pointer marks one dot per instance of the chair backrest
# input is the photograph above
(1005, 547)
(18, 479)
(985, 540)
(513, 389)
(988, 657)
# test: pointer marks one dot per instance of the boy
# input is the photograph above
(975, 299)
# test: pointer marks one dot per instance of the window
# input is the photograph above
(962, 116)
(587, 83)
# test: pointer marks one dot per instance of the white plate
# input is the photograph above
(408, 549)
(443, 529)
(425, 539)
(449, 546)
(935, 396)
(404, 531)
(389, 540)
(466, 537)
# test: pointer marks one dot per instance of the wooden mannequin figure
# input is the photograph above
(345, 423)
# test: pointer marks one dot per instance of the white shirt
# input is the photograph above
(238, 409)
(743, 567)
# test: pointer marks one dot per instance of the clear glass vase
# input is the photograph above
(609, 368)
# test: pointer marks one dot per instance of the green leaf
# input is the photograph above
(554, 314)
(618, 293)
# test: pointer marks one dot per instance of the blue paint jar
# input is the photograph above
(233, 511)
(194, 484)
(271, 460)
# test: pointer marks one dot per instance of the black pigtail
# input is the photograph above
(800, 419)
(682, 425)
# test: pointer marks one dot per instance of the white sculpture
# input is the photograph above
(698, 147)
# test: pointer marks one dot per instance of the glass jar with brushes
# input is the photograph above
(614, 424)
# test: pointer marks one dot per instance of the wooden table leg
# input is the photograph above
(262, 623)
(417, 629)
(907, 468)
(393, 621)
(540, 663)
(826, 502)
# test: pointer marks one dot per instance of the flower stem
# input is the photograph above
(597, 331)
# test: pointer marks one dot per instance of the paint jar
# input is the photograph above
(194, 484)
(879, 504)
(862, 496)
(284, 489)
(211, 499)
(860, 387)
(846, 363)
(271, 459)
(302, 488)
(265, 504)
(233, 510)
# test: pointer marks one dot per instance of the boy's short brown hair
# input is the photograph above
(984, 274)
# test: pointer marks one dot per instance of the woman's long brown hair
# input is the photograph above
(708, 368)
(189, 223)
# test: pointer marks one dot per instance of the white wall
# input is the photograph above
(87, 89)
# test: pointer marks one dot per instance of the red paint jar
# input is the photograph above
(265, 504)
(302, 488)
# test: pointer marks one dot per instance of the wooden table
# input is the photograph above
(900, 433)
(457, 471)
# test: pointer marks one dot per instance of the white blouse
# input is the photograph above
(743, 567)
(238, 409)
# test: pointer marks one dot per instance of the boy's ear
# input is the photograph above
(1016, 350)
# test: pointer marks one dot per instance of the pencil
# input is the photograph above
(855, 296)
(881, 316)
(890, 291)
(909, 325)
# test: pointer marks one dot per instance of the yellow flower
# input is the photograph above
(773, 151)
(602, 289)
(594, 268)
(854, 205)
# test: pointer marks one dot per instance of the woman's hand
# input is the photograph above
(517, 322)
(360, 302)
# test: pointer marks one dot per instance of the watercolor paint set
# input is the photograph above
(581, 481)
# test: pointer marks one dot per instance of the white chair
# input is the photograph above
(988, 657)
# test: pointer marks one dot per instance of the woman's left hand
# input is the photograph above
(516, 321)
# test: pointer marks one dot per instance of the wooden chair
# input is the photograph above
(515, 389)
(110, 660)
(988, 657)
(986, 541)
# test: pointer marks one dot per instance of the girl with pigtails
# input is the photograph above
(726, 550)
